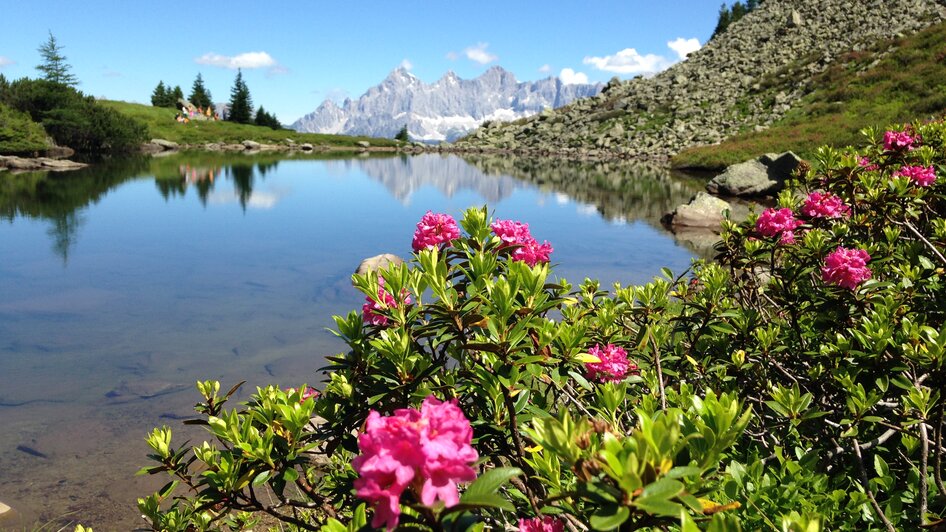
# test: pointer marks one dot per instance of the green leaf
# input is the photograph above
(262, 477)
(609, 517)
(290, 475)
(489, 482)
(480, 500)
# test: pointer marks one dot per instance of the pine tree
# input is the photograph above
(175, 96)
(200, 96)
(751, 5)
(723, 22)
(402, 134)
(159, 98)
(241, 105)
(54, 66)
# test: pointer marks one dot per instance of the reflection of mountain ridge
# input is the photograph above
(619, 191)
(403, 176)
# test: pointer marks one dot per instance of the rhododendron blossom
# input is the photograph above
(827, 205)
(545, 523)
(613, 365)
(775, 222)
(846, 267)
(923, 176)
(426, 450)
(898, 140)
(385, 300)
(514, 233)
(434, 229)
(864, 162)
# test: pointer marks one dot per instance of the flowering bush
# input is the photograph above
(778, 387)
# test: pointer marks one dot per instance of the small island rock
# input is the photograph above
(378, 262)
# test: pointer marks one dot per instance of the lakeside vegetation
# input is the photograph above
(895, 81)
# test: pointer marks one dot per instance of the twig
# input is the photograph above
(660, 372)
(870, 494)
(925, 241)
(938, 467)
(924, 470)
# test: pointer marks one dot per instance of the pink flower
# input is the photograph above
(897, 141)
(864, 162)
(434, 229)
(918, 174)
(827, 205)
(514, 233)
(309, 392)
(545, 523)
(775, 222)
(614, 365)
(846, 267)
(370, 310)
(426, 450)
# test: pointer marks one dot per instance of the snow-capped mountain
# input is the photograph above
(444, 110)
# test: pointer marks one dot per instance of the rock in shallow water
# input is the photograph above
(378, 262)
(758, 177)
(702, 211)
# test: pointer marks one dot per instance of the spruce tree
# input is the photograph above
(159, 98)
(54, 66)
(200, 96)
(241, 105)
(723, 21)
(402, 134)
(175, 96)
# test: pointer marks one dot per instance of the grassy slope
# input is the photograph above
(907, 83)
(19, 134)
(161, 124)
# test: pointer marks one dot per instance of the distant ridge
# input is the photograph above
(441, 111)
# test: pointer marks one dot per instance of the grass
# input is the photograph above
(862, 89)
(161, 124)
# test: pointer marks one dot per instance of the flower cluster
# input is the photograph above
(434, 229)
(426, 450)
(865, 163)
(827, 205)
(923, 176)
(898, 141)
(514, 233)
(846, 267)
(545, 523)
(775, 222)
(308, 393)
(370, 310)
(613, 365)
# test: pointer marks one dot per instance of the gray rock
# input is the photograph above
(702, 211)
(165, 144)
(364, 143)
(759, 177)
(378, 262)
(7, 514)
(306, 147)
(251, 144)
(794, 19)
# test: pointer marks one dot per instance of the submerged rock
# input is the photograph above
(702, 211)
(25, 164)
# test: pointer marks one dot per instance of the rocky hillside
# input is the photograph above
(444, 110)
(739, 81)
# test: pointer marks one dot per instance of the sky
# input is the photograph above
(296, 54)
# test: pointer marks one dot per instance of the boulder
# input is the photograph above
(759, 177)
(703, 210)
(7, 515)
(795, 20)
(251, 144)
(23, 164)
(364, 143)
(378, 262)
(59, 152)
(165, 144)
(306, 147)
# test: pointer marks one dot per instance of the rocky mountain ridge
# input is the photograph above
(444, 110)
(745, 78)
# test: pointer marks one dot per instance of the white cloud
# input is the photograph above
(406, 64)
(629, 61)
(6, 61)
(545, 68)
(244, 60)
(452, 56)
(684, 47)
(276, 70)
(479, 54)
(570, 77)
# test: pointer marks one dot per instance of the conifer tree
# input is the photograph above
(175, 96)
(54, 66)
(402, 134)
(159, 98)
(241, 105)
(200, 96)
(723, 21)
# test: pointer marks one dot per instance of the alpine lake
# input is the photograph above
(124, 283)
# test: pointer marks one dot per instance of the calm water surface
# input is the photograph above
(123, 284)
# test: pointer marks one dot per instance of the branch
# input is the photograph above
(924, 469)
(925, 241)
(870, 494)
(938, 468)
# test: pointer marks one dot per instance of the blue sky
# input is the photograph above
(295, 54)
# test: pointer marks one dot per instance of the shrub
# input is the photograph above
(73, 119)
(19, 134)
(792, 384)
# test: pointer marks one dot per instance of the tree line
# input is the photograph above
(240, 105)
(730, 14)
